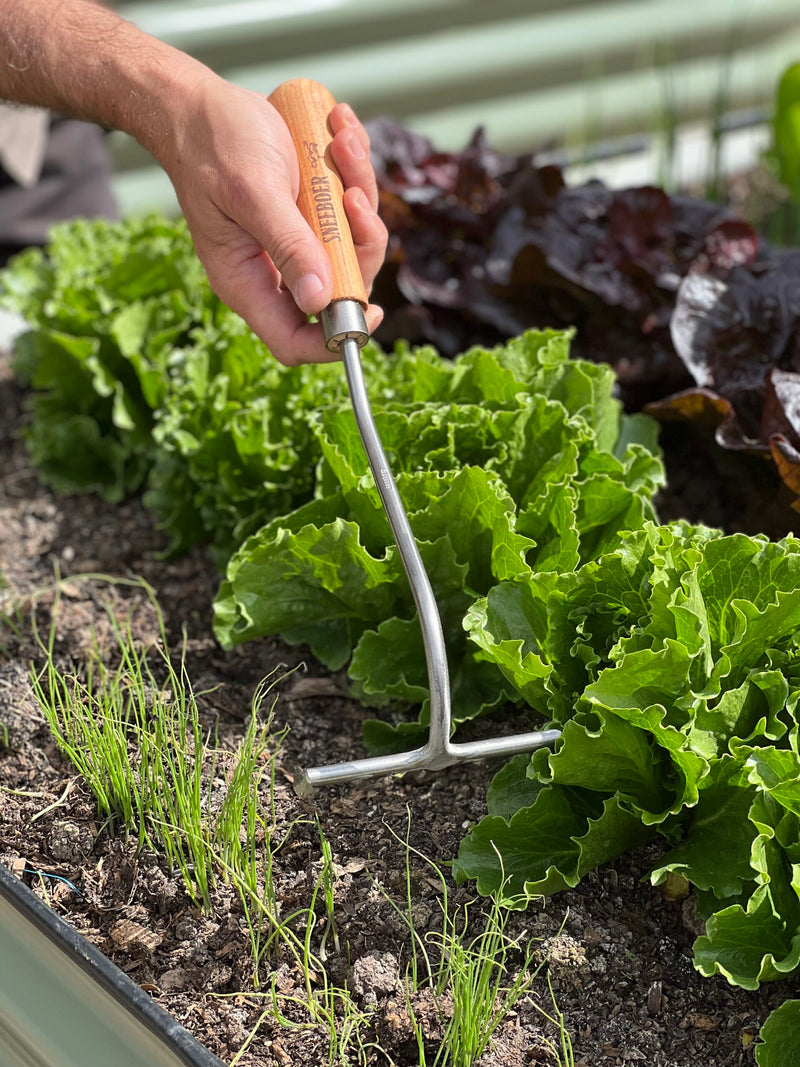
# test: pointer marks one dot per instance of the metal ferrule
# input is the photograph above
(342, 320)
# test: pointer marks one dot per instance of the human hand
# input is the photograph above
(233, 165)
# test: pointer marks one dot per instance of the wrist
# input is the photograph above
(153, 85)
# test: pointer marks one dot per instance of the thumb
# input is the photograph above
(298, 254)
(295, 250)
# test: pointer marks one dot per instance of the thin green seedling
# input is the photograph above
(335, 1011)
(319, 1001)
(57, 803)
(252, 872)
(592, 126)
(12, 613)
(175, 765)
(327, 880)
(230, 843)
(245, 835)
(89, 724)
(421, 970)
(92, 733)
(260, 908)
(781, 220)
(265, 926)
(146, 739)
(722, 97)
(737, 33)
(246, 842)
(667, 119)
(255, 881)
(562, 1053)
(241, 805)
(350, 1021)
(475, 974)
(139, 745)
(245, 1045)
(259, 945)
(326, 1006)
(43, 887)
(34, 794)
(472, 974)
(135, 736)
(477, 977)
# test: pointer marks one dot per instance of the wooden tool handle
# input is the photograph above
(305, 106)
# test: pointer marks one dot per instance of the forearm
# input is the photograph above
(226, 150)
(81, 60)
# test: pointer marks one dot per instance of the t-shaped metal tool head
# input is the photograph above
(305, 106)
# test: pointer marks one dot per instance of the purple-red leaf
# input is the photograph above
(697, 316)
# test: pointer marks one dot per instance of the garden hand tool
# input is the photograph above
(305, 106)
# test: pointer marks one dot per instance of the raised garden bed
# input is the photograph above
(618, 952)
(618, 949)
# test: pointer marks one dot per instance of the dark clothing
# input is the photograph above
(75, 180)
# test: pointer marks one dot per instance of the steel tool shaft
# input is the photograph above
(305, 105)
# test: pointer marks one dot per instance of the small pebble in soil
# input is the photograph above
(215, 975)
(566, 961)
(237, 1027)
(185, 929)
(375, 975)
(655, 998)
(70, 842)
(175, 980)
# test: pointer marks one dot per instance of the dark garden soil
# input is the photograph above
(618, 951)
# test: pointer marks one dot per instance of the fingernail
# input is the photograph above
(363, 202)
(307, 291)
(356, 147)
(350, 116)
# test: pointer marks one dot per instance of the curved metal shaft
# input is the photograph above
(429, 619)
(343, 334)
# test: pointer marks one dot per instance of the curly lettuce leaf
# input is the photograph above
(673, 662)
(780, 1037)
(547, 846)
(472, 470)
(106, 303)
(710, 855)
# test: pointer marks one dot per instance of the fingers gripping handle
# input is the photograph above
(305, 106)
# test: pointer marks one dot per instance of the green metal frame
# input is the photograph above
(533, 73)
(64, 1004)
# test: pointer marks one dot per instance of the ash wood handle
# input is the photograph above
(305, 106)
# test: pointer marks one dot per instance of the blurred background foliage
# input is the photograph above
(632, 91)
